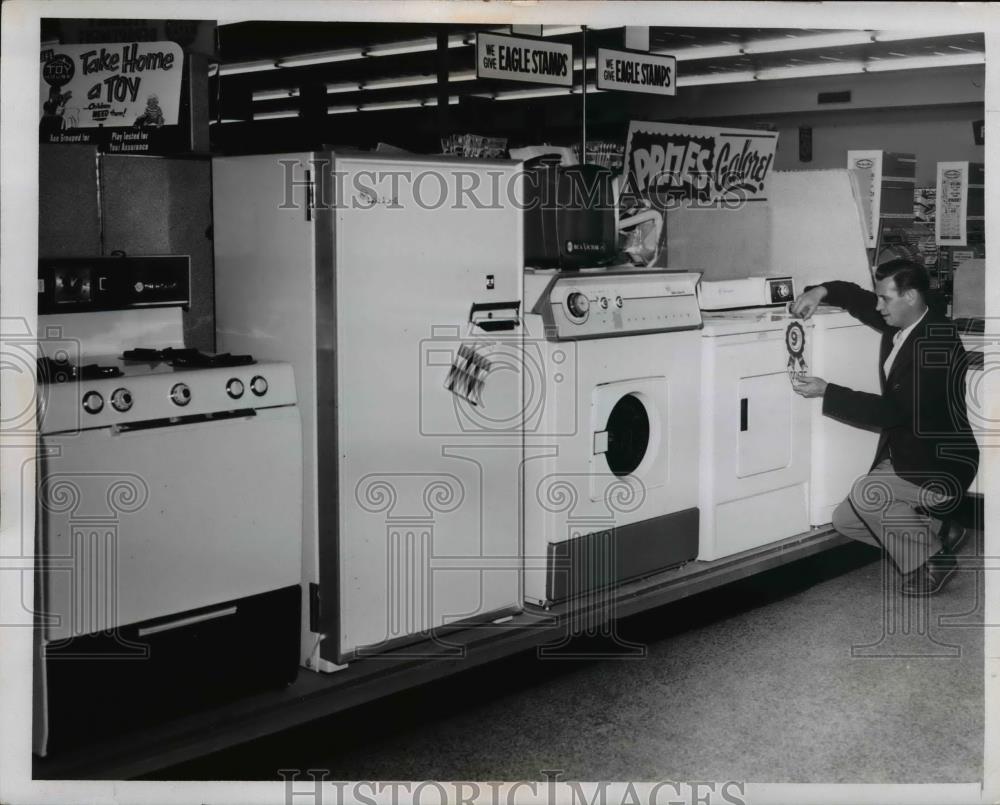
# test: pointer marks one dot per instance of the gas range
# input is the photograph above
(147, 384)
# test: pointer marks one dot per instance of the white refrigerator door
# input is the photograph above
(429, 528)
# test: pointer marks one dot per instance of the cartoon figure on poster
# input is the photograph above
(152, 115)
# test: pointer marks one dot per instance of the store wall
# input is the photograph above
(934, 134)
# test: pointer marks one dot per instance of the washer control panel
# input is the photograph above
(619, 303)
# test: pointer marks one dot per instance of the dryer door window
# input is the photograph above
(628, 435)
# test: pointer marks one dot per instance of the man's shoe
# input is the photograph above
(931, 577)
(953, 537)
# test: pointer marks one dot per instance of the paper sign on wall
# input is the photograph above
(634, 71)
(514, 58)
(665, 161)
(109, 85)
(952, 203)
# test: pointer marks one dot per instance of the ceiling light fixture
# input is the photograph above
(690, 53)
(307, 59)
(350, 86)
(921, 62)
(807, 42)
(811, 70)
(275, 94)
(275, 115)
(247, 67)
(521, 94)
(900, 36)
(414, 46)
(733, 77)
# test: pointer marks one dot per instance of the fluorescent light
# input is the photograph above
(414, 46)
(275, 115)
(225, 120)
(340, 110)
(702, 52)
(897, 36)
(734, 77)
(351, 86)
(808, 42)
(412, 104)
(519, 94)
(562, 30)
(247, 67)
(320, 58)
(810, 70)
(275, 94)
(920, 62)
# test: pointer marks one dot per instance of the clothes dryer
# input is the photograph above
(845, 351)
(755, 431)
(611, 420)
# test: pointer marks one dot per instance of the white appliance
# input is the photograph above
(844, 351)
(169, 500)
(611, 424)
(755, 432)
(393, 284)
(753, 291)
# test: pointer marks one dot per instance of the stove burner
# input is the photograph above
(52, 371)
(185, 358)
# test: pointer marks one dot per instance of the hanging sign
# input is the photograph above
(514, 58)
(124, 97)
(636, 71)
(666, 161)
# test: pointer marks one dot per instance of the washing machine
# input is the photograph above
(845, 351)
(755, 445)
(610, 480)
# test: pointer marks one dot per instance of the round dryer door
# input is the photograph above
(628, 435)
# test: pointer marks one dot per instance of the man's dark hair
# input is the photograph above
(906, 275)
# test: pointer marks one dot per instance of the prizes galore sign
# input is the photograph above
(633, 71)
(517, 59)
(668, 161)
(129, 84)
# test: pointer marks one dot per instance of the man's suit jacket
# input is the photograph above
(921, 411)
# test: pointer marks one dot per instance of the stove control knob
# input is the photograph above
(93, 403)
(619, 301)
(604, 303)
(578, 305)
(180, 394)
(121, 400)
(258, 385)
(234, 388)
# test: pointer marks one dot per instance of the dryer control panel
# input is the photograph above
(614, 304)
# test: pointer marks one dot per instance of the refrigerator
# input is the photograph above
(392, 284)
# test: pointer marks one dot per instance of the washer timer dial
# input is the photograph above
(578, 305)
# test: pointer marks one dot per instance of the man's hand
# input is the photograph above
(807, 386)
(807, 302)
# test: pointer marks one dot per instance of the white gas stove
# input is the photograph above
(169, 507)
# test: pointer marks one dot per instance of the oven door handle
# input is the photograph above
(179, 623)
(173, 422)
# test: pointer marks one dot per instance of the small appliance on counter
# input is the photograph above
(169, 508)
(570, 218)
(752, 291)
